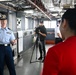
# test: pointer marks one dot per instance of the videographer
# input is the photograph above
(41, 34)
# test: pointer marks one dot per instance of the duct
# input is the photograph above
(39, 4)
(10, 3)
(39, 9)
(7, 7)
(63, 2)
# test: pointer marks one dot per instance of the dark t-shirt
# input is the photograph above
(42, 29)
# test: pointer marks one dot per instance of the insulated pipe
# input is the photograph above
(6, 7)
(39, 8)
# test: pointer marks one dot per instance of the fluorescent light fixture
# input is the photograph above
(52, 9)
(56, 9)
(63, 2)
(55, 14)
(27, 6)
(29, 11)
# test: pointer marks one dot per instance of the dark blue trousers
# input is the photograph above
(42, 48)
(6, 57)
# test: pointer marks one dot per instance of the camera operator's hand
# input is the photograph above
(42, 33)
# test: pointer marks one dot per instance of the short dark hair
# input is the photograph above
(3, 15)
(58, 22)
(70, 16)
(41, 21)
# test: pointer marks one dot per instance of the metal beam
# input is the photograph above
(39, 8)
(7, 7)
(39, 4)
(22, 9)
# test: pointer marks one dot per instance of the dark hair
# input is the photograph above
(59, 21)
(41, 21)
(3, 15)
(70, 16)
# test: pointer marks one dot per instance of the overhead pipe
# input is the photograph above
(39, 9)
(6, 7)
(39, 4)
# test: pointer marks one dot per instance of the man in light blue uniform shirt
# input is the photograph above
(6, 38)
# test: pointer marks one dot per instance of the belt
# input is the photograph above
(4, 44)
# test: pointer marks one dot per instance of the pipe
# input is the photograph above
(39, 8)
(6, 7)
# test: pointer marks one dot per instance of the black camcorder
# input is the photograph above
(37, 30)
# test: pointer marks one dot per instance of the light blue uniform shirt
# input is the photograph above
(6, 36)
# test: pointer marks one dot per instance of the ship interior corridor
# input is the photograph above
(23, 18)
(24, 67)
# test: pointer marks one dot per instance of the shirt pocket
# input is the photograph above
(1, 37)
(7, 38)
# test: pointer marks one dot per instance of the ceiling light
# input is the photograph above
(29, 11)
(55, 14)
(27, 6)
(56, 9)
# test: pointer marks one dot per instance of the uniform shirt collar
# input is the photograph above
(4, 28)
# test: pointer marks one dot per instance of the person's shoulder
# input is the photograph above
(10, 30)
(57, 48)
(44, 26)
(0, 28)
(37, 27)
